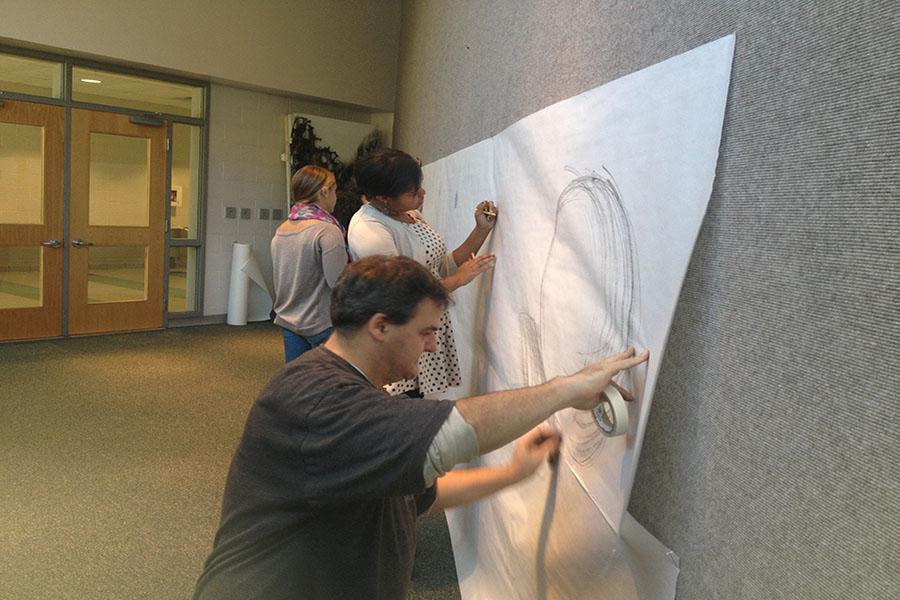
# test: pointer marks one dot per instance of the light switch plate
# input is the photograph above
(246, 213)
(264, 214)
(277, 214)
(230, 212)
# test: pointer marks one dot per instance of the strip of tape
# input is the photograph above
(612, 413)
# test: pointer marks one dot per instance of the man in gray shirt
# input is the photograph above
(331, 473)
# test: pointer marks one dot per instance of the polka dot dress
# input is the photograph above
(437, 370)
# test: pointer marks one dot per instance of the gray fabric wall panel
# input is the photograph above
(771, 458)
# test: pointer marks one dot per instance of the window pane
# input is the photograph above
(117, 274)
(182, 279)
(20, 277)
(120, 181)
(129, 91)
(185, 192)
(21, 174)
(30, 76)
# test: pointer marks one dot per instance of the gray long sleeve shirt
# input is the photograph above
(307, 257)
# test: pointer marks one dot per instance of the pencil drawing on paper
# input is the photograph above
(588, 298)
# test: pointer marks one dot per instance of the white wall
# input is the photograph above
(246, 140)
(340, 50)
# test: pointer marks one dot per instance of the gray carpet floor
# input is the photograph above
(115, 451)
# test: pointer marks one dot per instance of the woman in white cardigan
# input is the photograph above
(391, 224)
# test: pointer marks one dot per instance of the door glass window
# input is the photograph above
(184, 214)
(129, 91)
(20, 277)
(117, 274)
(119, 181)
(185, 193)
(182, 279)
(21, 174)
(32, 76)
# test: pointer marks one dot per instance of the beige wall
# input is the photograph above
(339, 50)
(246, 140)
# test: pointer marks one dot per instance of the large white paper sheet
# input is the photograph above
(453, 187)
(601, 198)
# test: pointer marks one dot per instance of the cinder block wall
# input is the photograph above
(246, 140)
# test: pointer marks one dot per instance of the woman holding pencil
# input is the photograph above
(391, 224)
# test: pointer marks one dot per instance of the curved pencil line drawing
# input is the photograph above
(532, 363)
(589, 285)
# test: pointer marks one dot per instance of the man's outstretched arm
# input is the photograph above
(500, 417)
(465, 486)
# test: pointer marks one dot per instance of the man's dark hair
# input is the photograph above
(387, 172)
(391, 285)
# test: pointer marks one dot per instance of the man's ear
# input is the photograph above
(378, 326)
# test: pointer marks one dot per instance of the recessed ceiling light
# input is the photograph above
(91, 81)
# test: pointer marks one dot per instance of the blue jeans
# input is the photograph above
(296, 344)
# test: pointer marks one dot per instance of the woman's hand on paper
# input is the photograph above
(472, 268)
(485, 215)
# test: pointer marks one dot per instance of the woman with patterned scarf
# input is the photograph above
(309, 251)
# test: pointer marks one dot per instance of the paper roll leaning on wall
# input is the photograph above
(246, 301)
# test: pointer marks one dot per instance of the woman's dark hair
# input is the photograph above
(387, 172)
(391, 285)
(345, 207)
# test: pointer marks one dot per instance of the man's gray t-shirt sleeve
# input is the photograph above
(456, 442)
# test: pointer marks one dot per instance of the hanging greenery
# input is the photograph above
(305, 150)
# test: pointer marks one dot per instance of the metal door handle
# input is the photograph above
(52, 243)
(81, 243)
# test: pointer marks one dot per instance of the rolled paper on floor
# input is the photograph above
(612, 414)
(244, 269)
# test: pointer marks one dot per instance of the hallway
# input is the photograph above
(115, 454)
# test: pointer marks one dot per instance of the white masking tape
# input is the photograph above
(612, 413)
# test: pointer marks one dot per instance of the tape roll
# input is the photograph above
(612, 413)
